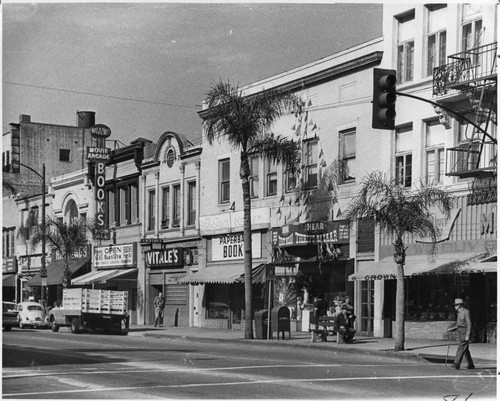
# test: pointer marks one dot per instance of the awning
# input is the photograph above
(224, 274)
(101, 276)
(9, 280)
(416, 265)
(55, 271)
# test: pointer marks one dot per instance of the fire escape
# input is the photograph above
(467, 85)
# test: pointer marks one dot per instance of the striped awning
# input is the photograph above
(224, 274)
(101, 276)
(9, 280)
(55, 271)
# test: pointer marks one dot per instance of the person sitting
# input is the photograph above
(344, 326)
(350, 310)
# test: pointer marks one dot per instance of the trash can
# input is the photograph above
(280, 321)
(261, 322)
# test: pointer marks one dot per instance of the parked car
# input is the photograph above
(9, 315)
(31, 314)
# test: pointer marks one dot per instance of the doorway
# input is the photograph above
(367, 308)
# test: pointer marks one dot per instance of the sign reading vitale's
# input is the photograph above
(171, 257)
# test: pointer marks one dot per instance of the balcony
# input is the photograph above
(468, 70)
(473, 159)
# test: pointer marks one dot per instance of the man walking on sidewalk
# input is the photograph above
(159, 304)
(464, 327)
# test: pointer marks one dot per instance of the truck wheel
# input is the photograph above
(54, 326)
(7, 328)
(75, 325)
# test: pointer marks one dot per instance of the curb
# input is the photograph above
(403, 355)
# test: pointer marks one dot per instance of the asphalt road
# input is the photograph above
(42, 364)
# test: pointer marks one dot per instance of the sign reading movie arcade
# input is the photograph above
(100, 154)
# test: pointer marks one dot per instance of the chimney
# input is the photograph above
(85, 119)
(24, 118)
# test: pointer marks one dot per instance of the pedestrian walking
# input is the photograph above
(464, 327)
(320, 309)
(159, 304)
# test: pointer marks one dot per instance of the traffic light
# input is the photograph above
(384, 98)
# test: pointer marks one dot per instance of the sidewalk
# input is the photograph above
(483, 354)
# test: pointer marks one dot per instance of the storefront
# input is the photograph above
(311, 260)
(461, 268)
(165, 264)
(114, 268)
(220, 284)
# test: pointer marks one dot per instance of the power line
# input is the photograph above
(97, 94)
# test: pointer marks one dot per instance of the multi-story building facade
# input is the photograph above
(170, 231)
(26, 149)
(297, 226)
(445, 54)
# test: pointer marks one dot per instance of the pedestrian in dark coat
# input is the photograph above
(464, 327)
(343, 325)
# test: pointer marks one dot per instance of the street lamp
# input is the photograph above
(43, 270)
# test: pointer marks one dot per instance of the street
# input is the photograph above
(43, 364)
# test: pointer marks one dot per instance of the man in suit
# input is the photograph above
(343, 325)
(159, 304)
(464, 327)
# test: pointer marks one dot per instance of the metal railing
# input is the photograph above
(468, 69)
(471, 159)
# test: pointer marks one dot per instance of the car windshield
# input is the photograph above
(35, 307)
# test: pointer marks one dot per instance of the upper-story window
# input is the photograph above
(123, 204)
(436, 36)
(151, 209)
(165, 207)
(403, 156)
(224, 177)
(253, 178)
(271, 171)
(176, 205)
(406, 47)
(311, 164)
(6, 161)
(348, 154)
(290, 181)
(471, 38)
(434, 152)
(191, 203)
(8, 241)
(111, 215)
(64, 155)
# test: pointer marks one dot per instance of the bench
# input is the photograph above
(326, 327)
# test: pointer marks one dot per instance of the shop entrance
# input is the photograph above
(367, 307)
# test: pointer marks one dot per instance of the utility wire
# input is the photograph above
(97, 94)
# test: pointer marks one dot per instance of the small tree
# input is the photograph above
(399, 210)
(245, 124)
(67, 239)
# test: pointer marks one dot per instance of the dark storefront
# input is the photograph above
(311, 260)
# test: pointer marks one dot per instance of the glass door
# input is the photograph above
(367, 298)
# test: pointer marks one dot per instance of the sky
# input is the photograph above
(145, 68)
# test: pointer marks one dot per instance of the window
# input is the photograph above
(311, 164)
(111, 215)
(8, 242)
(124, 202)
(471, 37)
(290, 181)
(348, 154)
(403, 159)
(6, 161)
(191, 203)
(134, 203)
(64, 155)
(224, 181)
(434, 153)
(165, 207)
(176, 206)
(271, 170)
(405, 47)
(151, 209)
(253, 178)
(436, 36)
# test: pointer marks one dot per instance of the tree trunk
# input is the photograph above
(247, 246)
(400, 309)
(399, 258)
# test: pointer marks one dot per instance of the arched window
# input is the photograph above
(71, 212)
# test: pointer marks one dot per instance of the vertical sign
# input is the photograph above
(100, 132)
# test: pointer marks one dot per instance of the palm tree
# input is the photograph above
(245, 123)
(399, 211)
(68, 239)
